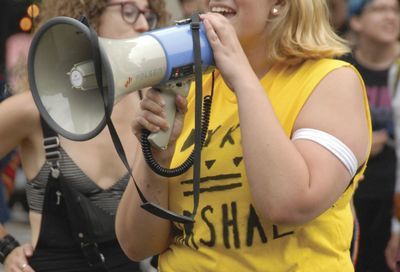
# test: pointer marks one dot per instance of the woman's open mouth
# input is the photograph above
(224, 11)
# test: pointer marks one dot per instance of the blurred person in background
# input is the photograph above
(376, 28)
(16, 58)
(16, 51)
(13, 46)
(392, 251)
(339, 15)
(92, 168)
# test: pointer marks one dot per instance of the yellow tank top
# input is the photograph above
(228, 235)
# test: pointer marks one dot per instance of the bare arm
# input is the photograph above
(291, 182)
(19, 118)
(140, 233)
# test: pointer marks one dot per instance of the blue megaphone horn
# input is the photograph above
(63, 79)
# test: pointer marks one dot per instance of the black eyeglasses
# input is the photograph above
(130, 12)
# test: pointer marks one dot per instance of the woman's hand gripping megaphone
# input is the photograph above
(169, 90)
(153, 115)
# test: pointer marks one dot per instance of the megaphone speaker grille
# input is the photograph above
(77, 114)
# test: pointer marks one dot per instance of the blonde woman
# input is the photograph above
(289, 137)
(92, 168)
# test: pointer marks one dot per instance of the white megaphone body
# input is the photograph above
(63, 81)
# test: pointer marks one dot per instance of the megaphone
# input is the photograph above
(63, 81)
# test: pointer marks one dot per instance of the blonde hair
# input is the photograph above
(302, 31)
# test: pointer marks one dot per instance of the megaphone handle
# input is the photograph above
(161, 139)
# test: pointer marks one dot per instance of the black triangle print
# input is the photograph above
(209, 164)
(237, 161)
(189, 141)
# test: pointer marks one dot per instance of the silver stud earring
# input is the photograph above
(275, 11)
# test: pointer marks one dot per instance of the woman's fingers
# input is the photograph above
(152, 116)
(17, 259)
(155, 95)
(218, 28)
(181, 109)
(153, 102)
(152, 122)
(28, 250)
(211, 33)
(181, 104)
(25, 267)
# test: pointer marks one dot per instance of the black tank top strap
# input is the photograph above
(51, 145)
(46, 129)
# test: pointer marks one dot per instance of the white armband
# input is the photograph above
(333, 144)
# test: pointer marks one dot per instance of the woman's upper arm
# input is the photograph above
(19, 117)
(337, 106)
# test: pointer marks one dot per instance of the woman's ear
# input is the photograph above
(277, 7)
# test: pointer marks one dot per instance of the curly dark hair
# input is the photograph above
(92, 9)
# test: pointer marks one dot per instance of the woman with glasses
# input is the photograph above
(91, 168)
(288, 139)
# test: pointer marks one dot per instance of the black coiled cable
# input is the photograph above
(165, 172)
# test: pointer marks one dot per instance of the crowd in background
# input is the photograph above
(372, 31)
